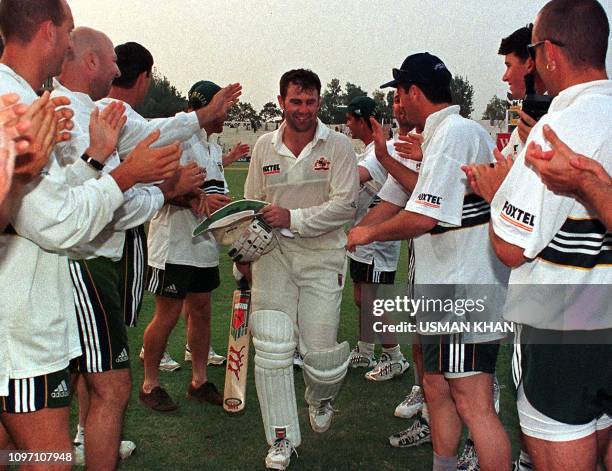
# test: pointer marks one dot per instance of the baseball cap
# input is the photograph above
(422, 68)
(201, 93)
(362, 106)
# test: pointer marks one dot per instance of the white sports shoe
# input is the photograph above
(126, 448)
(279, 454)
(166, 363)
(213, 357)
(468, 461)
(386, 368)
(412, 404)
(79, 454)
(321, 417)
(298, 359)
(415, 435)
(361, 360)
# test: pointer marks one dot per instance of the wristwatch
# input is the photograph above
(91, 161)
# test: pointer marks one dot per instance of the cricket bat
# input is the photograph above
(234, 392)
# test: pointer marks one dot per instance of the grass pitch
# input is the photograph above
(204, 437)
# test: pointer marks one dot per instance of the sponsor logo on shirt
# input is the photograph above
(431, 201)
(517, 217)
(271, 169)
(322, 164)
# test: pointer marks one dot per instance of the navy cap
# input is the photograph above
(422, 68)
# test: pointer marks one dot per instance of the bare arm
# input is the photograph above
(404, 225)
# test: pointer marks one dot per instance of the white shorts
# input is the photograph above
(537, 425)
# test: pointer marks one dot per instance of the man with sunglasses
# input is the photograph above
(559, 240)
(449, 227)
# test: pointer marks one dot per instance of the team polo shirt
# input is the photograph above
(141, 202)
(514, 146)
(169, 237)
(392, 191)
(563, 241)
(383, 255)
(180, 127)
(457, 250)
(38, 330)
(319, 187)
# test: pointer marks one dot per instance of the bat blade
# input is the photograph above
(234, 392)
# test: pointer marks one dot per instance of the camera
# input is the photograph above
(534, 105)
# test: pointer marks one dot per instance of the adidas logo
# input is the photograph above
(171, 289)
(123, 357)
(61, 390)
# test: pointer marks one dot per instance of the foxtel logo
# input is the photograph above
(517, 217)
(431, 201)
(272, 169)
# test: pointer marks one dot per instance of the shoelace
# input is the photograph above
(324, 407)
(467, 457)
(282, 444)
(410, 430)
(413, 397)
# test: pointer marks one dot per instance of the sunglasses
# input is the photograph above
(531, 48)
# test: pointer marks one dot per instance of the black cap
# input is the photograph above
(422, 68)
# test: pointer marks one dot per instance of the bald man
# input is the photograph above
(87, 76)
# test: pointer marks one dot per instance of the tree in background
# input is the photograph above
(352, 91)
(330, 101)
(495, 110)
(463, 95)
(270, 112)
(245, 113)
(385, 111)
(163, 99)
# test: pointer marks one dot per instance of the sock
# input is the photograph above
(80, 434)
(524, 458)
(365, 348)
(394, 352)
(444, 463)
(417, 380)
(425, 412)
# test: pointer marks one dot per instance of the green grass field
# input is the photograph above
(201, 436)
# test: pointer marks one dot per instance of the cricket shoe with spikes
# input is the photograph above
(412, 404)
(279, 454)
(321, 416)
(387, 368)
(361, 360)
(468, 461)
(415, 435)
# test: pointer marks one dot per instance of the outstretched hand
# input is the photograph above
(380, 140)
(485, 179)
(409, 146)
(561, 169)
